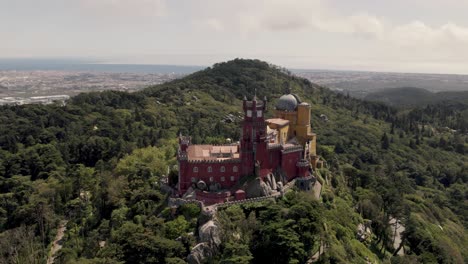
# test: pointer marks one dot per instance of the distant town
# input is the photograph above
(359, 83)
(45, 87)
(54, 85)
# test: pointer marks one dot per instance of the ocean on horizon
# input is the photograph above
(89, 66)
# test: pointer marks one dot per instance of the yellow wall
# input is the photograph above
(299, 127)
(291, 116)
(303, 114)
(283, 134)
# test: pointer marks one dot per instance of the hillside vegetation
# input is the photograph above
(98, 160)
(411, 97)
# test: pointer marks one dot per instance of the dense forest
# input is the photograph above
(413, 97)
(97, 162)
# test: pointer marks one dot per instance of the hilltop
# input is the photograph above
(98, 162)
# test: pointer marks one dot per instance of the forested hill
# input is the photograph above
(97, 161)
(412, 97)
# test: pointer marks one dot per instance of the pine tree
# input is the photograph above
(412, 144)
(385, 142)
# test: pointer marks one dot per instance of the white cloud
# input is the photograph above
(126, 8)
(419, 34)
(213, 23)
(416, 34)
(367, 25)
(361, 25)
(252, 17)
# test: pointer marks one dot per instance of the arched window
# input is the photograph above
(211, 179)
(223, 169)
(222, 178)
(234, 169)
(232, 178)
(193, 179)
(195, 169)
(210, 169)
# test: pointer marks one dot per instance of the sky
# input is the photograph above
(372, 35)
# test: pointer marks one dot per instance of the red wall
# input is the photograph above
(288, 164)
(240, 195)
(187, 173)
(274, 158)
(209, 198)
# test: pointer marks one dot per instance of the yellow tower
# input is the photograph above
(291, 108)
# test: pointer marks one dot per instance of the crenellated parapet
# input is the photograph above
(274, 146)
(182, 155)
(214, 161)
(303, 163)
(291, 149)
(255, 123)
(184, 140)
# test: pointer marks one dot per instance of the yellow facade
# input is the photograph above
(299, 128)
(282, 128)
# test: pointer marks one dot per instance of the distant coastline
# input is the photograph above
(91, 66)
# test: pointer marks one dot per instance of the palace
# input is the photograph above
(275, 150)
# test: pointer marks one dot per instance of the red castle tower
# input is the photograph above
(253, 134)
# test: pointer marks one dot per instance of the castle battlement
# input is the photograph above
(303, 163)
(274, 146)
(211, 161)
(294, 148)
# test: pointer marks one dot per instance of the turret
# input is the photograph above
(184, 142)
(253, 132)
(303, 167)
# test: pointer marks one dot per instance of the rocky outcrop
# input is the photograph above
(209, 241)
(258, 188)
(199, 253)
(363, 231)
(210, 233)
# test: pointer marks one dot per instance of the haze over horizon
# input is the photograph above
(400, 36)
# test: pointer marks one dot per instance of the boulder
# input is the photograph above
(257, 188)
(199, 253)
(210, 233)
(209, 237)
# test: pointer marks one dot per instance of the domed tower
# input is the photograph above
(287, 103)
(290, 107)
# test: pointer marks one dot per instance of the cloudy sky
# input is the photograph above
(378, 35)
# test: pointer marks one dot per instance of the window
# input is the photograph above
(195, 169)
(249, 113)
(193, 179)
(222, 178)
(234, 169)
(223, 169)
(259, 113)
(232, 178)
(211, 179)
(210, 169)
